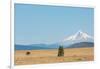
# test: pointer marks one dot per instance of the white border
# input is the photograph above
(12, 35)
(77, 3)
(74, 3)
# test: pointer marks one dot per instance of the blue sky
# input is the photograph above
(49, 24)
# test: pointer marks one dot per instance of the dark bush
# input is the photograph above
(28, 53)
(60, 51)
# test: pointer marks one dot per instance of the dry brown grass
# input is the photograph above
(50, 56)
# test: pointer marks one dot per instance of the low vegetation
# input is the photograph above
(25, 57)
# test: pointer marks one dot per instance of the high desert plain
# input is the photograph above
(50, 56)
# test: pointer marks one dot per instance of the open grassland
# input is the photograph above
(50, 56)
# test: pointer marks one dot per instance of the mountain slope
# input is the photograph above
(81, 45)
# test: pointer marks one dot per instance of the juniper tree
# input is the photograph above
(60, 51)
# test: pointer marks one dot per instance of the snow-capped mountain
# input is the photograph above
(77, 37)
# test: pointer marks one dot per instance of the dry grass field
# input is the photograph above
(50, 56)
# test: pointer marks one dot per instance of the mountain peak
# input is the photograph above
(80, 31)
(78, 36)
